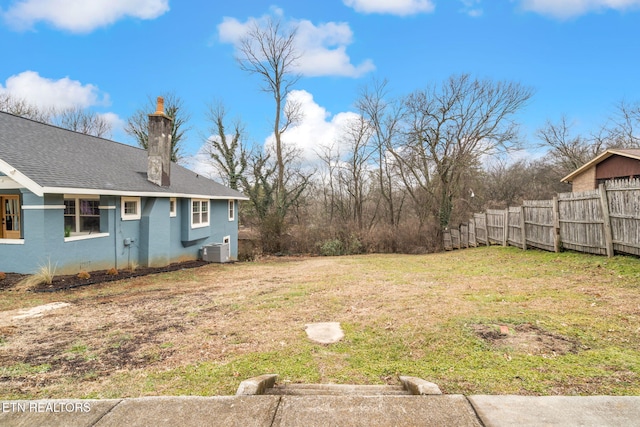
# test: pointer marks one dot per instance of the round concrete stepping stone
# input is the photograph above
(324, 333)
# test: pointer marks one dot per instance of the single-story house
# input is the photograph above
(82, 203)
(613, 164)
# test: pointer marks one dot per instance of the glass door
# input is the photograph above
(10, 217)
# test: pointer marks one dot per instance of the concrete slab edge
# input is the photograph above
(418, 386)
(256, 385)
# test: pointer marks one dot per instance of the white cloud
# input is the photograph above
(117, 124)
(392, 7)
(317, 129)
(472, 8)
(564, 9)
(47, 93)
(323, 48)
(80, 16)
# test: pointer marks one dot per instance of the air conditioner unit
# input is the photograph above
(216, 252)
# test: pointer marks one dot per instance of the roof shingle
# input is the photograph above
(57, 158)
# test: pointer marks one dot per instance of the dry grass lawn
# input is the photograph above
(479, 321)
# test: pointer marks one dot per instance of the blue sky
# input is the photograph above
(580, 56)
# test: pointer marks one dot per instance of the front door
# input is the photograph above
(10, 212)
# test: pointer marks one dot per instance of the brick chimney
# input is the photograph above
(159, 146)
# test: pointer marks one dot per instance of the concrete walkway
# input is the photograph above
(325, 411)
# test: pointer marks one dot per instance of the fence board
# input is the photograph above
(447, 240)
(624, 214)
(582, 222)
(464, 236)
(603, 221)
(472, 234)
(480, 220)
(455, 238)
(495, 226)
(539, 223)
(514, 232)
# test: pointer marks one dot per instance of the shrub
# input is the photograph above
(3, 275)
(112, 271)
(332, 247)
(84, 275)
(44, 276)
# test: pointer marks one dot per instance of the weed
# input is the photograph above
(22, 369)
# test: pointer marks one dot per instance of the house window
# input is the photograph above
(173, 211)
(232, 211)
(81, 215)
(130, 208)
(199, 213)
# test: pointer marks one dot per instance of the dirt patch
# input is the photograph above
(100, 276)
(526, 338)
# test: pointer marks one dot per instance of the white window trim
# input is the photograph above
(81, 234)
(130, 217)
(232, 210)
(173, 212)
(85, 237)
(11, 241)
(200, 224)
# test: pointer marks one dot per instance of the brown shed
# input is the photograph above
(612, 164)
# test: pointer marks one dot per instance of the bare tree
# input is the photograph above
(227, 151)
(623, 131)
(353, 174)
(384, 119)
(20, 107)
(269, 52)
(138, 123)
(569, 151)
(73, 118)
(83, 121)
(451, 126)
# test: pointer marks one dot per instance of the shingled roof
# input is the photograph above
(49, 159)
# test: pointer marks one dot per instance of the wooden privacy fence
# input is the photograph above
(603, 221)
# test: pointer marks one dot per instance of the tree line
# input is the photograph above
(402, 169)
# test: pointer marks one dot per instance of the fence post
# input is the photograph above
(505, 234)
(475, 235)
(486, 229)
(556, 225)
(608, 237)
(523, 228)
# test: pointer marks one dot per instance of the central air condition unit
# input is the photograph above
(216, 252)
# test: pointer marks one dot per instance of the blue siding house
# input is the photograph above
(82, 203)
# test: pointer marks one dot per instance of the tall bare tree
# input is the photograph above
(268, 50)
(384, 118)
(451, 125)
(354, 171)
(138, 123)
